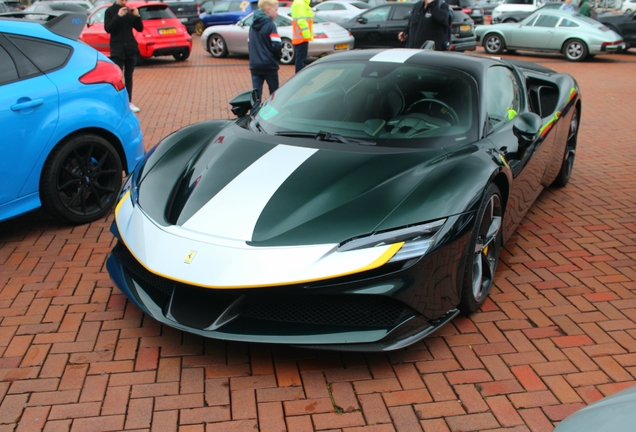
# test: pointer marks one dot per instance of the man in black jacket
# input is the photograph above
(429, 21)
(119, 21)
(265, 47)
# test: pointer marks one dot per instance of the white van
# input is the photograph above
(516, 6)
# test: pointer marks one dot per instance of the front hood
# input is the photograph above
(272, 193)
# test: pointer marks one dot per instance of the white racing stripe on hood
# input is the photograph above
(399, 55)
(234, 211)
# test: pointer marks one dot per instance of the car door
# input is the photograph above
(28, 114)
(368, 28)
(505, 98)
(398, 20)
(94, 33)
(537, 33)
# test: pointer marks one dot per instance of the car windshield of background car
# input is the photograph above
(393, 104)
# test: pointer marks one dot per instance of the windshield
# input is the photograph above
(389, 104)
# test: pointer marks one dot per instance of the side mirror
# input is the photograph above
(243, 102)
(526, 128)
(201, 10)
(362, 20)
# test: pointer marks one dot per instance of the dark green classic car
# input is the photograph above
(360, 207)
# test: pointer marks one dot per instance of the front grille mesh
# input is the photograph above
(344, 310)
(314, 309)
(133, 266)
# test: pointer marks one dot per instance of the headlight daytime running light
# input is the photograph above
(417, 240)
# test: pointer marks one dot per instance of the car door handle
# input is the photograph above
(26, 104)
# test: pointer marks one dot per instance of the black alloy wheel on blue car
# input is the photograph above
(81, 179)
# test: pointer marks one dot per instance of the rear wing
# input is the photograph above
(65, 24)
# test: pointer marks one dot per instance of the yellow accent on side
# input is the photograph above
(503, 159)
(485, 251)
(511, 113)
(380, 261)
(121, 201)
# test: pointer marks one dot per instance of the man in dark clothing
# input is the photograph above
(119, 21)
(265, 47)
(429, 21)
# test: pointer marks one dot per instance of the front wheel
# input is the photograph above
(570, 151)
(288, 52)
(81, 179)
(575, 50)
(494, 44)
(216, 46)
(482, 253)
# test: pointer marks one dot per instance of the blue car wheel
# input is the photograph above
(81, 179)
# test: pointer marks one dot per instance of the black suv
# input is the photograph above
(379, 27)
(469, 7)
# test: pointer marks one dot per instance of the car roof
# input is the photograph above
(66, 24)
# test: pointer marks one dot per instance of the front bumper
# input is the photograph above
(378, 310)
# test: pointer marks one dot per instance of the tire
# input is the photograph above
(181, 55)
(198, 28)
(494, 44)
(217, 46)
(289, 53)
(570, 152)
(509, 20)
(575, 50)
(81, 179)
(482, 251)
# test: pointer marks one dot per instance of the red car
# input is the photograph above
(163, 33)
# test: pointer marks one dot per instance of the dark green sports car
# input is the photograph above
(360, 207)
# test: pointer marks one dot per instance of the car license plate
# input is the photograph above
(171, 30)
(465, 28)
(341, 47)
(183, 19)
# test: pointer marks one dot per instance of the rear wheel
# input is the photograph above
(570, 152)
(494, 44)
(198, 28)
(216, 46)
(482, 253)
(575, 50)
(181, 55)
(81, 179)
(288, 56)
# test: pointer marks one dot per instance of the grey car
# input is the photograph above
(576, 36)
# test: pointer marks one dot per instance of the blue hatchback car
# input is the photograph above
(67, 131)
(226, 12)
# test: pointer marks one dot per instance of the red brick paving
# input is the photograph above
(558, 332)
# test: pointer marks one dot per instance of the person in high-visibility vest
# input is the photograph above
(302, 30)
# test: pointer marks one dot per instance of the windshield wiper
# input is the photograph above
(325, 136)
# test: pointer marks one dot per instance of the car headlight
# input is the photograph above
(417, 240)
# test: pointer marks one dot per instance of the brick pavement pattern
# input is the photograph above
(558, 331)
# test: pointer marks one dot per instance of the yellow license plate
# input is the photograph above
(341, 47)
(168, 31)
(465, 28)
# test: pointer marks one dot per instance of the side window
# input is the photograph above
(503, 96)
(98, 17)
(221, 7)
(378, 15)
(546, 21)
(531, 22)
(567, 23)
(47, 56)
(8, 71)
(401, 13)
(338, 7)
(281, 21)
(325, 6)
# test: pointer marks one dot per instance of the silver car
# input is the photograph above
(549, 30)
(329, 37)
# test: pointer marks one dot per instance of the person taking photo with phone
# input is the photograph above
(119, 21)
